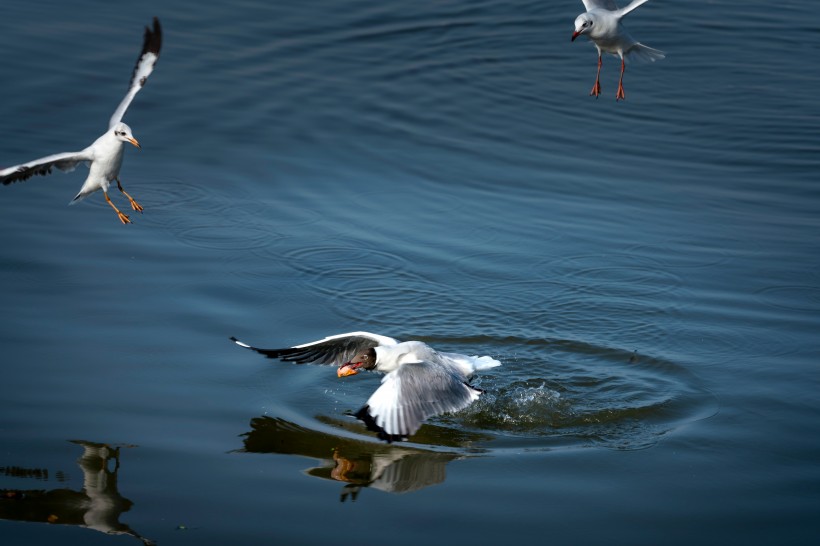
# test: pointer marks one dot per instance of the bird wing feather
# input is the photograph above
(337, 349)
(635, 3)
(412, 394)
(600, 4)
(145, 65)
(66, 161)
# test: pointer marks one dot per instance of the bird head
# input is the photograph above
(365, 360)
(123, 133)
(583, 23)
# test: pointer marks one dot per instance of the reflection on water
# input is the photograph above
(591, 396)
(357, 463)
(96, 506)
(549, 394)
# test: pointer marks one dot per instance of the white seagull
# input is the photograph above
(420, 382)
(104, 156)
(602, 24)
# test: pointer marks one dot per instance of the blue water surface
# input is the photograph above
(645, 270)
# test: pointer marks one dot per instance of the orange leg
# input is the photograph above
(134, 205)
(123, 218)
(596, 89)
(620, 94)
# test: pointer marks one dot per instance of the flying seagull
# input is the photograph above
(420, 382)
(104, 156)
(602, 24)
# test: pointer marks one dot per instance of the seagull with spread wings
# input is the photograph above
(104, 156)
(420, 382)
(602, 25)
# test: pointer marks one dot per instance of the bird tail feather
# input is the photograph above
(79, 197)
(484, 362)
(642, 53)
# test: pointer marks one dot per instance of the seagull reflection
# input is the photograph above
(387, 467)
(96, 506)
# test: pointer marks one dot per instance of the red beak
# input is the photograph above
(575, 35)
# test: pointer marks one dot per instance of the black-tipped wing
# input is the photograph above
(336, 349)
(145, 65)
(412, 394)
(67, 161)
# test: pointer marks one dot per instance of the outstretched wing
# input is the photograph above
(411, 394)
(65, 162)
(635, 3)
(145, 65)
(336, 349)
(600, 4)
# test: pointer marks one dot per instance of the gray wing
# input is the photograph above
(144, 67)
(410, 395)
(600, 4)
(337, 349)
(65, 162)
(411, 471)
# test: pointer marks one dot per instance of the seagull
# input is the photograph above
(602, 24)
(420, 382)
(104, 156)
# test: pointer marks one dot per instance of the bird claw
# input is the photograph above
(123, 218)
(136, 206)
(620, 95)
(596, 90)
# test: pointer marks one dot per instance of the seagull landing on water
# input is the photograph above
(419, 382)
(602, 24)
(104, 156)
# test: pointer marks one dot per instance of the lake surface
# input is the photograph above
(646, 271)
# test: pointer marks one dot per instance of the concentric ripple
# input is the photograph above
(548, 394)
(791, 297)
(623, 275)
(343, 261)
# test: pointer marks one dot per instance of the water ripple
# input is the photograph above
(586, 395)
(623, 275)
(412, 301)
(791, 297)
(344, 261)
(548, 394)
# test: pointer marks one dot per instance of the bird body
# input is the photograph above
(601, 23)
(105, 160)
(391, 357)
(104, 155)
(420, 382)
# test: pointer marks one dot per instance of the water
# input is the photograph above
(647, 272)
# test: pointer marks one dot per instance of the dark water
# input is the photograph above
(647, 272)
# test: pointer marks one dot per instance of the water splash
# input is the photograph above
(522, 407)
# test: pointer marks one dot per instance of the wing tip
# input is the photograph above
(370, 423)
(153, 38)
(240, 343)
(268, 353)
(23, 173)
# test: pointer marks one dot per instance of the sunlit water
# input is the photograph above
(646, 271)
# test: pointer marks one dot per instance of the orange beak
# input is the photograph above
(134, 142)
(346, 369)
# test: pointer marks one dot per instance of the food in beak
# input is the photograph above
(347, 369)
